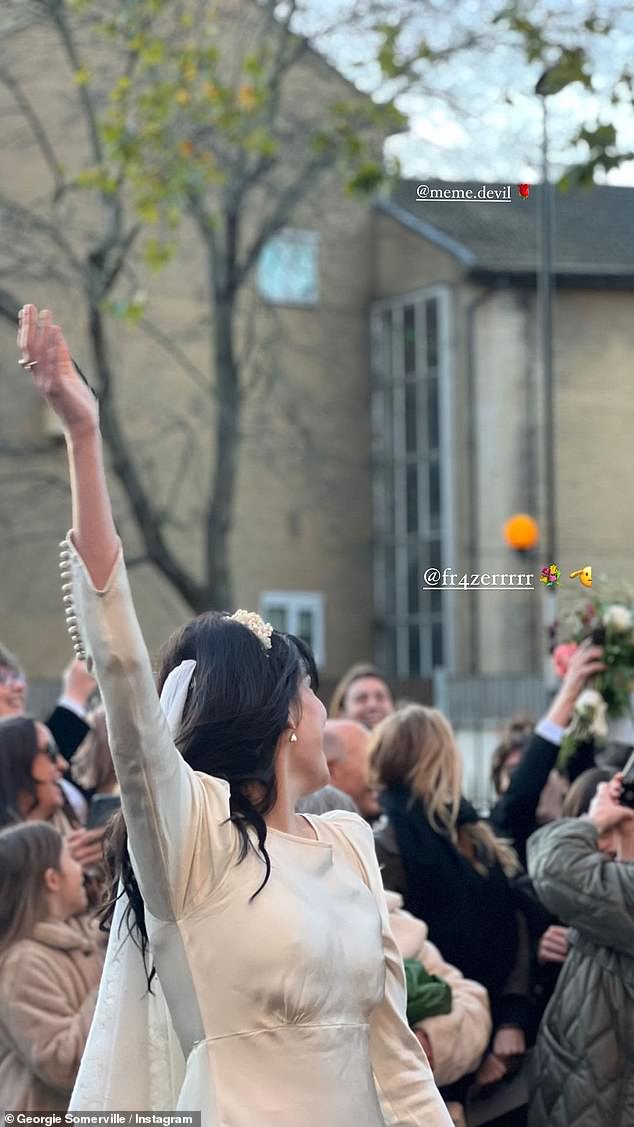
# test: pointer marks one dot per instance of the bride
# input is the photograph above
(276, 992)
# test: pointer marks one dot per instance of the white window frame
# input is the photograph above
(294, 602)
(394, 480)
(294, 235)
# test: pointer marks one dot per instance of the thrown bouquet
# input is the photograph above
(610, 625)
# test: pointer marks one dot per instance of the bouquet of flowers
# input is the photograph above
(610, 625)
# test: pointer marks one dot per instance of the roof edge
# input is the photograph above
(561, 279)
(427, 231)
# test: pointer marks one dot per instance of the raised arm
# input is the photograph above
(175, 818)
(45, 353)
(514, 814)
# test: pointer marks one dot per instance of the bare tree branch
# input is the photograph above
(287, 201)
(39, 132)
(101, 251)
(146, 515)
(174, 350)
(121, 257)
(178, 479)
(58, 15)
(32, 222)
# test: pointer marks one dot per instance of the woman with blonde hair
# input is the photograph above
(451, 870)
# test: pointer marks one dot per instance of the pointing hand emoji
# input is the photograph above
(584, 575)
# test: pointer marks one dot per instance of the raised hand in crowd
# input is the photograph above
(535, 791)
(586, 662)
(47, 356)
(77, 683)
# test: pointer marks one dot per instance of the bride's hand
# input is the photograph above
(45, 354)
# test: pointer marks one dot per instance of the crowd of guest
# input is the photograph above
(51, 883)
(516, 929)
(534, 903)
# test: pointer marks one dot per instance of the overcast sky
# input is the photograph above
(479, 117)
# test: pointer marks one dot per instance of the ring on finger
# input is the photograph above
(28, 364)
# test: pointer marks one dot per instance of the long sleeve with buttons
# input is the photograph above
(179, 838)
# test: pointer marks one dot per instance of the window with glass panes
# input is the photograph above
(300, 613)
(408, 479)
(288, 268)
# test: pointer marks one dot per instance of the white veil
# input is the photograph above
(133, 1058)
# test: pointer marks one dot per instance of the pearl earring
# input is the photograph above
(293, 738)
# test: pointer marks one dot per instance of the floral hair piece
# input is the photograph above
(255, 624)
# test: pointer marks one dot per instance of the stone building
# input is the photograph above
(396, 419)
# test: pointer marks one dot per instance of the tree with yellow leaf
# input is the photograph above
(184, 117)
(190, 110)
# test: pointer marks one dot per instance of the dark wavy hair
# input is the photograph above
(18, 749)
(236, 710)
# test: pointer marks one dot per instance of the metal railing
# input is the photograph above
(491, 700)
(478, 708)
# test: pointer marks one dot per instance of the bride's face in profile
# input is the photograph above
(306, 759)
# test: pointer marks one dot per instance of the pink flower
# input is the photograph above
(561, 657)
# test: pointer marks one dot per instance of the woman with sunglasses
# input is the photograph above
(31, 769)
(30, 775)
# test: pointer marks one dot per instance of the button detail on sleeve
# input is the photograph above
(68, 600)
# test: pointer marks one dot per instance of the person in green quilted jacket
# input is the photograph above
(584, 1056)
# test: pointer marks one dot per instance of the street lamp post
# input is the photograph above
(547, 347)
(549, 456)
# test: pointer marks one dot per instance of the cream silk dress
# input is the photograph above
(289, 1010)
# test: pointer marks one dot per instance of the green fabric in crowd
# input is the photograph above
(427, 995)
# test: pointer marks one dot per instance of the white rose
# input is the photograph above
(618, 617)
(590, 702)
(592, 708)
